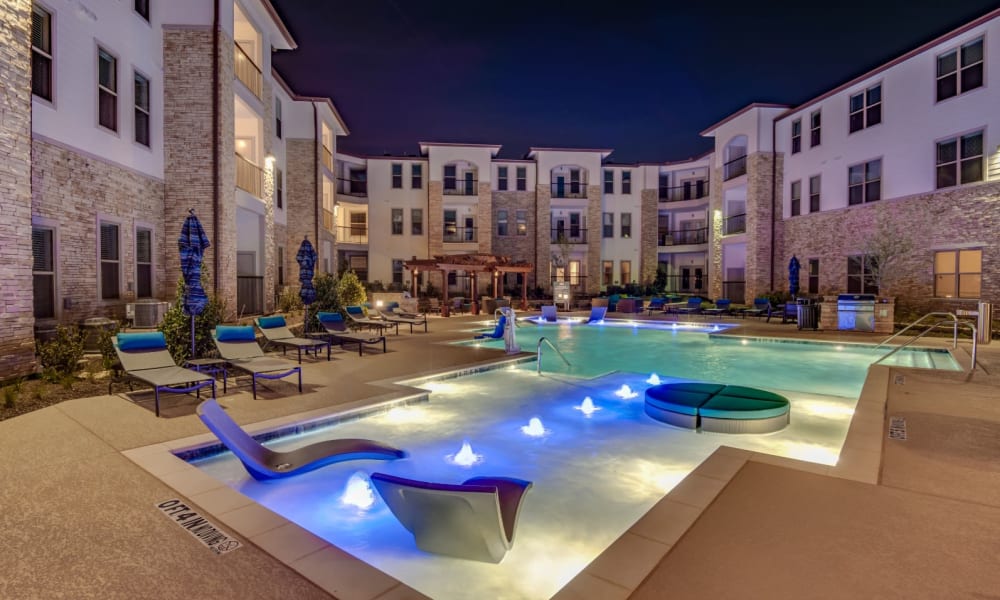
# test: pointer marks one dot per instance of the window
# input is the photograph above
(43, 272)
(522, 222)
(449, 177)
(796, 136)
(277, 117)
(502, 222)
(359, 225)
(279, 188)
(626, 271)
(397, 176)
(107, 90)
(864, 182)
(626, 182)
(860, 275)
(141, 109)
(815, 123)
(609, 225)
(142, 7)
(522, 178)
(795, 194)
(397, 271)
(609, 181)
(812, 274)
(608, 268)
(814, 193)
(664, 186)
(960, 160)
(110, 256)
(958, 273)
(960, 70)
(397, 221)
(417, 176)
(41, 53)
(281, 265)
(866, 108)
(417, 221)
(143, 263)
(450, 225)
(502, 179)
(626, 225)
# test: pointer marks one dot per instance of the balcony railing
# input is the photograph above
(735, 291)
(352, 234)
(249, 177)
(352, 187)
(572, 235)
(250, 294)
(459, 235)
(735, 224)
(248, 72)
(679, 193)
(682, 237)
(328, 222)
(734, 168)
(575, 281)
(687, 284)
(572, 189)
(327, 158)
(460, 187)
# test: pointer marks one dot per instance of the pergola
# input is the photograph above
(475, 265)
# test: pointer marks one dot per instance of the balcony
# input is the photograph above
(248, 72)
(573, 189)
(351, 234)
(328, 222)
(577, 283)
(682, 237)
(735, 224)
(327, 158)
(460, 187)
(459, 235)
(679, 193)
(352, 187)
(249, 177)
(573, 235)
(734, 168)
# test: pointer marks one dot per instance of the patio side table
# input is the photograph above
(212, 366)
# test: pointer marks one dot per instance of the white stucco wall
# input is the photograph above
(383, 246)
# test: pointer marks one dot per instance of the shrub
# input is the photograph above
(327, 299)
(104, 342)
(290, 300)
(350, 290)
(10, 394)
(176, 326)
(64, 352)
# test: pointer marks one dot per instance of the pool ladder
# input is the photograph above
(538, 351)
(944, 318)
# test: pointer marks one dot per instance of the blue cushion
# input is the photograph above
(354, 310)
(328, 317)
(391, 306)
(269, 322)
(152, 340)
(234, 333)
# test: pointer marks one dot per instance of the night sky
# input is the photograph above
(642, 78)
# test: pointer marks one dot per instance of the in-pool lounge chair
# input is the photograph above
(549, 313)
(497, 331)
(358, 317)
(475, 520)
(276, 332)
(597, 314)
(144, 356)
(265, 464)
(405, 319)
(238, 346)
(335, 329)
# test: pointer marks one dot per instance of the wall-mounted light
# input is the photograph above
(269, 161)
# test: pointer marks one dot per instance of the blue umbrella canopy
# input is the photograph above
(192, 244)
(307, 262)
(793, 276)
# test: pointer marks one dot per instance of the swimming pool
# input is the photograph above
(593, 476)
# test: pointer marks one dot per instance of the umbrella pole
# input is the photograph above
(192, 337)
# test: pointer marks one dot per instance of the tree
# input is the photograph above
(350, 290)
(886, 246)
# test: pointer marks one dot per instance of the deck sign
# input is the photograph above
(214, 538)
(897, 428)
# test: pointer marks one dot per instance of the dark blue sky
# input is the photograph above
(642, 78)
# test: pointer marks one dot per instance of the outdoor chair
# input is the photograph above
(657, 303)
(721, 307)
(597, 314)
(265, 464)
(238, 346)
(276, 332)
(761, 308)
(358, 317)
(144, 356)
(335, 329)
(433, 305)
(692, 307)
(405, 319)
(789, 313)
(549, 313)
(475, 520)
(497, 331)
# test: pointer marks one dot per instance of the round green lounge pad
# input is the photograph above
(716, 407)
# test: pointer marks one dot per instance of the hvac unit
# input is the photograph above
(146, 313)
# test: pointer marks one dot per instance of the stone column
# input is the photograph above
(593, 241)
(484, 218)
(543, 242)
(759, 219)
(715, 273)
(435, 231)
(648, 223)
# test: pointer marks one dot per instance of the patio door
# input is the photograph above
(560, 187)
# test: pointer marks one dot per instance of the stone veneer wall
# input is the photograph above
(648, 242)
(543, 218)
(593, 271)
(484, 219)
(71, 192)
(760, 215)
(714, 255)
(435, 229)
(17, 344)
(517, 247)
(269, 242)
(301, 160)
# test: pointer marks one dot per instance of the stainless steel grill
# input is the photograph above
(856, 312)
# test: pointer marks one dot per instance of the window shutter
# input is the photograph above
(109, 241)
(143, 246)
(41, 248)
(40, 30)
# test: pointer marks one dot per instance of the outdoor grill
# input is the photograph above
(856, 312)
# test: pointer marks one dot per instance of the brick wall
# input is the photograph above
(648, 223)
(301, 158)
(517, 247)
(17, 348)
(543, 219)
(593, 271)
(484, 218)
(760, 214)
(435, 229)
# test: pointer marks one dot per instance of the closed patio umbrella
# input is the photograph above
(192, 244)
(793, 276)
(306, 258)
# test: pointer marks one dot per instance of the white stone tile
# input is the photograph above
(628, 561)
(667, 521)
(344, 576)
(587, 587)
(251, 520)
(220, 500)
(289, 542)
(696, 490)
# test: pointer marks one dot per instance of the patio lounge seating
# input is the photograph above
(238, 346)
(144, 356)
(475, 520)
(721, 308)
(358, 317)
(789, 313)
(692, 307)
(549, 313)
(597, 314)
(405, 319)
(497, 331)
(657, 303)
(761, 308)
(717, 408)
(335, 329)
(265, 464)
(276, 332)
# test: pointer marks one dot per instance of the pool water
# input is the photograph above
(593, 476)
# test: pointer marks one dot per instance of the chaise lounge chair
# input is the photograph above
(265, 464)
(497, 331)
(358, 317)
(405, 319)
(549, 313)
(276, 332)
(335, 328)
(721, 308)
(144, 356)
(692, 307)
(475, 520)
(238, 346)
(656, 303)
(761, 308)
(597, 314)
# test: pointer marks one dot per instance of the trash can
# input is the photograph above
(807, 314)
(984, 323)
(92, 329)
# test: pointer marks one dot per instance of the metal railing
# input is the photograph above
(681, 237)
(328, 222)
(459, 235)
(250, 294)
(679, 193)
(573, 235)
(735, 224)
(575, 281)
(247, 71)
(352, 234)
(538, 351)
(945, 318)
(352, 187)
(249, 177)
(453, 186)
(734, 168)
(689, 284)
(572, 189)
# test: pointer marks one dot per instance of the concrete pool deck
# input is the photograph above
(915, 518)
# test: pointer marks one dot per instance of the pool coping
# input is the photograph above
(615, 573)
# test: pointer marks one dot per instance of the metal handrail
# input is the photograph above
(538, 351)
(500, 311)
(954, 319)
(972, 367)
